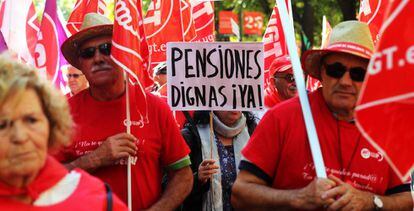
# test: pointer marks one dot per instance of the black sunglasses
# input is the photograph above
(288, 77)
(88, 53)
(73, 75)
(337, 70)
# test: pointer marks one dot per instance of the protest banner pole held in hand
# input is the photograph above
(129, 52)
(128, 129)
(303, 97)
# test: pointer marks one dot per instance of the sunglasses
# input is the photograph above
(88, 53)
(337, 70)
(288, 77)
(73, 75)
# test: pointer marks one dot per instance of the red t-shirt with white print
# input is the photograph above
(159, 142)
(280, 148)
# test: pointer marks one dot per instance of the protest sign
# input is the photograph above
(215, 76)
(253, 22)
(225, 18)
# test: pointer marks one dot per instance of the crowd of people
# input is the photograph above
(72, 154)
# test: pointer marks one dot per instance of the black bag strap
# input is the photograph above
(109, 199)
(190, 120)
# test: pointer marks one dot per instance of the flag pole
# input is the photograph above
(128, 129)
(211, 154)
(300, 83)
(291, 13)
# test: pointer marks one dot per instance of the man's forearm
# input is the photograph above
(88, 162)
(261, 197)
(179, 186)
(398, 201)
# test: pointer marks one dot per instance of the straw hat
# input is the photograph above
(93, 25)
(352, 37)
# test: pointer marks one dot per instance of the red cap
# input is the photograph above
(280, 64)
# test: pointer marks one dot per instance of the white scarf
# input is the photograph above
(212, 200)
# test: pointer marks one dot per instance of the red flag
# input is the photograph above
(326, 32)
(203, 15)
(128, 50)
(312, 83)
(49, 59)
(83, 7)
(19, 25)
(273, 42)
(385, 110)
(188, 21)
(163, 23)
(372, 12)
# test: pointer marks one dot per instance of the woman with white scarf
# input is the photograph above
(215, 164)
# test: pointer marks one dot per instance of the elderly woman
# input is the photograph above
(35, 120)
(217, 160)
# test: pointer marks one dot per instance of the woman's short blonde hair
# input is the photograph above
(16, 77)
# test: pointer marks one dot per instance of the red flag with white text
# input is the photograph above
(312, 83)
(49, 59)
(372, 12)
(19, 26)
(385, 110)
(162, 23)
(273, 42)
(203, 15)
(188, 21)
(128, 50)
(81, 8)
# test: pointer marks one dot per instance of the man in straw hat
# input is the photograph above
(278, 171)
(100, 144)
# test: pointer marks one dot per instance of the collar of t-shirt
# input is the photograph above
(51, 173)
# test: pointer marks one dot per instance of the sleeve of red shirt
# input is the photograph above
(174, 147)
(262, 150)
(395, 185)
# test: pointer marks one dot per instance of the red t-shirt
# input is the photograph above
(271, 97)
(280, 148)
(90, 193)
(159, 143)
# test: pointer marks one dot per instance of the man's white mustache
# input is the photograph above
(99, 67)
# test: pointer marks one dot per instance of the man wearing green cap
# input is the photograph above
(278, 171)
(100, 144)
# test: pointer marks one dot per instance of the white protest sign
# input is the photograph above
(215, 76)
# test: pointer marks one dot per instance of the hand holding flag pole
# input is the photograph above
(300, 83)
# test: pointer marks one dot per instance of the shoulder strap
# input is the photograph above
(191, 122)
(108, 197)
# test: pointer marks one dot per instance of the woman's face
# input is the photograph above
(24, 135)
(229, 118)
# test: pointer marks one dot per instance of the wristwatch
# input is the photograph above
(378, 204)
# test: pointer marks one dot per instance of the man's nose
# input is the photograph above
(98, 57)
(346, 79)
